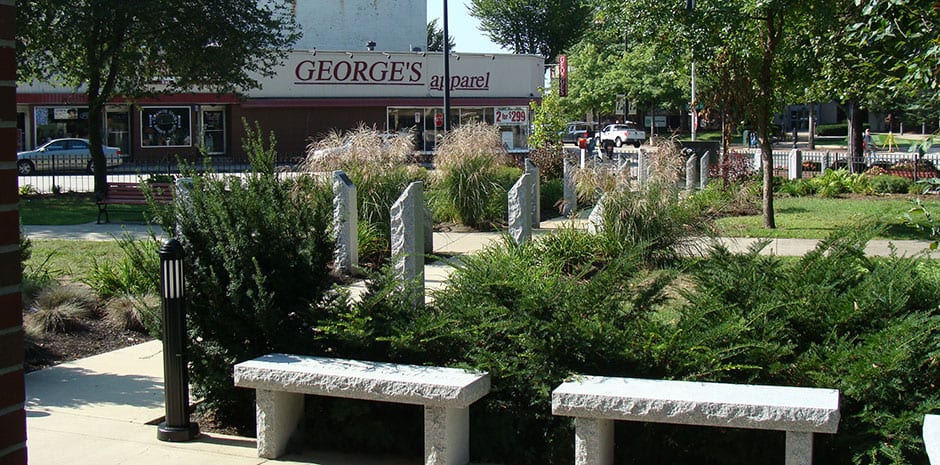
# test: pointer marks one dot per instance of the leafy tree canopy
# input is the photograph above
(903, 43)
(546, 27)
(436, 38)
(222, 45)
(116, 47)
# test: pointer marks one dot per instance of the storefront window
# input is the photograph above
(428, 123)
(118, 129)
(513, 123)
(213, 131)
(408, 120)
(165, 127)
(59, 122)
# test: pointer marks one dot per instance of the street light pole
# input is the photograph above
(693, 115)
(446, 72)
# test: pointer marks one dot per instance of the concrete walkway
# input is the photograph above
(459, 243)
(104, 409)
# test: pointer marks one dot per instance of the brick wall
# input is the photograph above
(12, 393)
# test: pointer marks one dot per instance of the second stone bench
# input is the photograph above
(281, 381)
(596, 402)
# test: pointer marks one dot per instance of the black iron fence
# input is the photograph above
(72, 174)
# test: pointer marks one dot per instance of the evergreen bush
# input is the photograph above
(257, 255)
(536, 314)
(886, 184)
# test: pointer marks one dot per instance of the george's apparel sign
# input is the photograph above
(378, 74)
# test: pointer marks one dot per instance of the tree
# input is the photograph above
(546, 27)
(762, 38)
(901, 46)
(436, 38)
(548, 120)
(902, 39)
(110, 48)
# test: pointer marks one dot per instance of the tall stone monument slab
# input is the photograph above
(520, 209)
(795, 164)
(691, 172)
(345, 223)
(705, 166)
(569, 195)
(642, 168)
(407, 225)
(596, 219)
(536, 195)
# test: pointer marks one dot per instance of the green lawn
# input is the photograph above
(796, 217)
(71, 259)
(816, 218)
(74, 209)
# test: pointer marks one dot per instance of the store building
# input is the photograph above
(359, 63)
(313, 93)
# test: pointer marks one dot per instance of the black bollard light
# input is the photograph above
(176, 427)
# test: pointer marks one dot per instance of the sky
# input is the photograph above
(462, 27)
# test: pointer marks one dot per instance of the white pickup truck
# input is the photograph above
(623, 133)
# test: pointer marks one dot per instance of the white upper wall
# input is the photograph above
(394, 25)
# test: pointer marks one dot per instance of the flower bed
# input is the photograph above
(909, 173)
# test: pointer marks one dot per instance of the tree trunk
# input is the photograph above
(855, 136)
(812, 126)
(95, 141)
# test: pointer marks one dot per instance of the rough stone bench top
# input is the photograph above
(695, 403)
(390, 382)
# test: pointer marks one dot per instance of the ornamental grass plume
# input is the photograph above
(363, 149)
(469, 160)
(377, 163)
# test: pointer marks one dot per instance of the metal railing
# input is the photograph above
(72, 175)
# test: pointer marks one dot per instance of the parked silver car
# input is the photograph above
(63, 154)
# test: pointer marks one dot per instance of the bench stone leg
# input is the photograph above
(277, 414)
(446, 436)
(593, 441)
(799, 448)
(932, 438)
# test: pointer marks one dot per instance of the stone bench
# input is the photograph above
(596, 402)
(932, 438)
(280, 382)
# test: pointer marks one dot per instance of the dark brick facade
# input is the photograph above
(12, 393)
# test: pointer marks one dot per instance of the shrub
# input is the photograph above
(721, 198)
(653, 219)
(735, 168)
(549, 160)
(530, 317)
(890, 184)
(141, 313)
(136, 274)
(469, 159)
(533, 315)
(59, 309)
(830, 184)
(497, 205)
(257, 254)
(908, 165)
(839, 129)
(552, 194)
